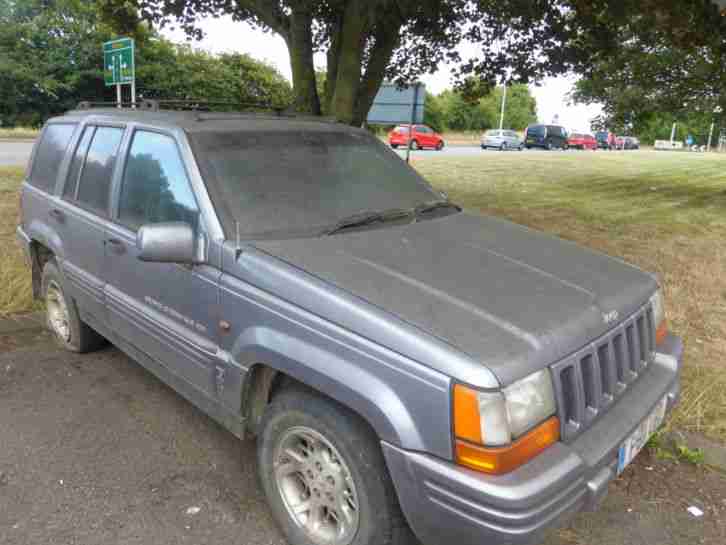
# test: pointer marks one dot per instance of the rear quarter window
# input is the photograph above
(51, 150)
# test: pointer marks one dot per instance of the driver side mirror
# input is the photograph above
(170, 242)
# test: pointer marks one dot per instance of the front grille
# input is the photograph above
(589, 381)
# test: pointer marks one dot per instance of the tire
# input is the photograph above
(62, 317)
(440, 145)
(503, 147)
(483, 147)
(300, 421)
(548, 146)
(414, 145)
(394, 146)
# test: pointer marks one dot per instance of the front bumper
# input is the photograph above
(445, 503)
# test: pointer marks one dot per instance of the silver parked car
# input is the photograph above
(502, 140)
(407, 367)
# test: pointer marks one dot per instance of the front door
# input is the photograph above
(165, 310)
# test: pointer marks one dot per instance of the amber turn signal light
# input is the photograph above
(467, 422)
(497, 461)
(661, 332)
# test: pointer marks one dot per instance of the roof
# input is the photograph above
(200, 121)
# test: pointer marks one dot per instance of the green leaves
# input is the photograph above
(51, 59)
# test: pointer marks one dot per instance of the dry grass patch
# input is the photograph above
(15, 295)
(665, 212)
(20, 133)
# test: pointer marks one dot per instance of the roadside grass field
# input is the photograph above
(20, 133)
(15, 286)
(662, 211)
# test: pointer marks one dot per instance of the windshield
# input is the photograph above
(294, 181)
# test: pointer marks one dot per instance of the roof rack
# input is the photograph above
(183, 104)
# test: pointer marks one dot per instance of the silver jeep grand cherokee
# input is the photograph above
(407, 367)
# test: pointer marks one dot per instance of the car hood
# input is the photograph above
(513, 298)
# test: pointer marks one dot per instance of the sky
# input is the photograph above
(223, 35)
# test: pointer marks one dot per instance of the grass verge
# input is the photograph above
(663, 211)
(19, 133)
(15, 295)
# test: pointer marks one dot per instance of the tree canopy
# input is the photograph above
(452, 110)
(651, 77)
(367, 41)
(51, 58)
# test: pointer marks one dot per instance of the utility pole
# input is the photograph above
(710, 135)
(504, 102)
(673, 133)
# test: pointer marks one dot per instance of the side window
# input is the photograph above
(51, 150)
(69, 189)
(155, 186)
(95, 182)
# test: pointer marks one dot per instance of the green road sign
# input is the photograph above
(118, 61)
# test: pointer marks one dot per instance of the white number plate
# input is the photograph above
(637, 440)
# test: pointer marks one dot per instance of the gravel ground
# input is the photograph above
(95, 450)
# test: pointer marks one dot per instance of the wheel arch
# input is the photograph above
(359, 390)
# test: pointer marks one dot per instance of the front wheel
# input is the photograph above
(440, 145)
(394, 146)
(324, 475)
(503, 147)
(414, 145)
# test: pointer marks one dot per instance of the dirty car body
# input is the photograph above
(320, 257)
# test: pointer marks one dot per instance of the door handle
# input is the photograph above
(57, 214)
(117, 245)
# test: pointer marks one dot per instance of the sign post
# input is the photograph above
(119, 67)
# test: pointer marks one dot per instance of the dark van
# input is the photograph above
(545, 136)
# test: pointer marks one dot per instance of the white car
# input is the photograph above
(501, 139)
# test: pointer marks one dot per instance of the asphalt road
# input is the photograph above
(95, 450)
(15, 153)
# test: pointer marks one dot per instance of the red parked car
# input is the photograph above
(423, 137)
(582, 141)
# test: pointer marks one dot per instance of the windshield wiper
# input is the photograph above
(428, 207)
(361, 219)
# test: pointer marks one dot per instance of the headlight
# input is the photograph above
(661, 327)
(499, 431)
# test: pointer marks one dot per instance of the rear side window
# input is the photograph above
(537, 130)
(95, 182)
(51, 150)
(69, 189)
(155, 187)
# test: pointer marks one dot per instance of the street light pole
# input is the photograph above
(501, 114)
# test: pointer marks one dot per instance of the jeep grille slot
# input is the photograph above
(589, 381)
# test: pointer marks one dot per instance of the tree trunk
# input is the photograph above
(300, 45)
(347, 79)
(386, 40)
(333, 56)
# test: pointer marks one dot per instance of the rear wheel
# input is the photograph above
(324, 475)
(503, 147)
(414, 145)
(548, 145)
(440, 145)
(62, 316)
(394, 146)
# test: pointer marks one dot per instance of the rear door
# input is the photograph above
(165, 310)
(82, 214)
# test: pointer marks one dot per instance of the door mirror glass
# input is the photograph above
(170, 242)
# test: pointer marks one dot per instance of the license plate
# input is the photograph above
(637, 440)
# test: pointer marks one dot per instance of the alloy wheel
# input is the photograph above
(316, 487)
